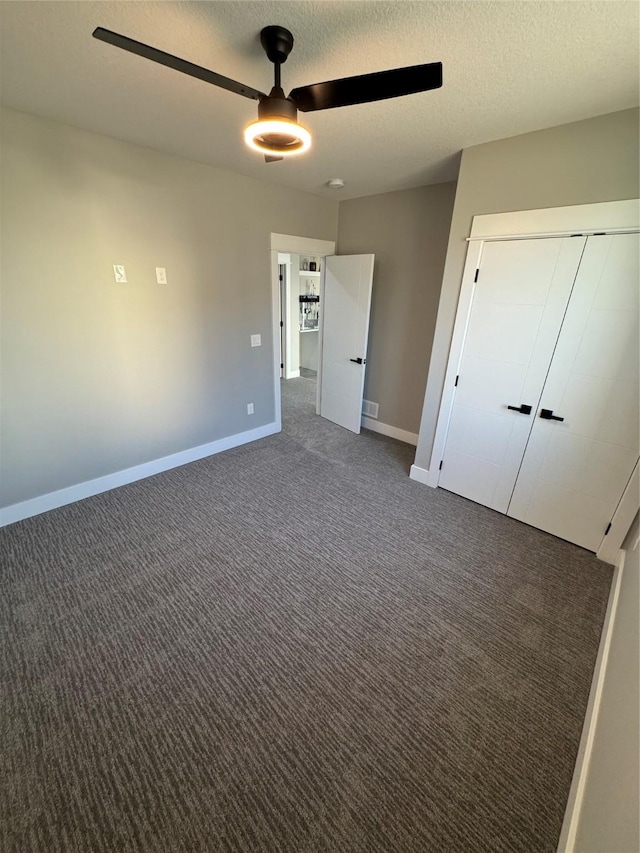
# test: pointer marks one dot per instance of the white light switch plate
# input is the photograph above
(256, 340)
(119, 273)
(249, 408)
(161, 275)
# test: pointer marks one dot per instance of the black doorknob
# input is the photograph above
(547, 415)
(358, 360)
(523, 409)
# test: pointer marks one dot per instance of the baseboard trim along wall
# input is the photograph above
(53, 500)
(566, 843)
(391, 431)
(420, 475)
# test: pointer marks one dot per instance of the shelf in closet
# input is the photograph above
(315, 273)
(302, 331)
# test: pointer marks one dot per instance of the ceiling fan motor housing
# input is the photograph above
(276, 107)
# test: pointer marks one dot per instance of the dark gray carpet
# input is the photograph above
(291, 647)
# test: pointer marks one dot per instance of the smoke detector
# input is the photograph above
(335, 183)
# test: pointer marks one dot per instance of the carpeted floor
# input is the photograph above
(292, 648)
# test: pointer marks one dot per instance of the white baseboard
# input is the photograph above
(566, 843)
(420, 475)
(391, 431)
(53, 500)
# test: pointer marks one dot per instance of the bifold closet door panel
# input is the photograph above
(575, 470)
(520, 297)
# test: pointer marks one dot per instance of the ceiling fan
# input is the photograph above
(277, 133)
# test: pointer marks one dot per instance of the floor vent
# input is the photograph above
(369, 409)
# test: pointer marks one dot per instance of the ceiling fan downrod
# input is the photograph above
(277, 43)
(281, 133)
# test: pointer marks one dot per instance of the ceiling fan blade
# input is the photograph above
(269, 159)
(368, 87)
(176, 63)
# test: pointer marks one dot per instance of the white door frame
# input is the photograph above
(286, 315)
(284, 288)
(299, 246)
(610, 217)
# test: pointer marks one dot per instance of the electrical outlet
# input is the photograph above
(161, 275)
(249, 408)
(256, 340)
(119, 273)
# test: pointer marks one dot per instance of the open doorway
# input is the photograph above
(300, 311)
(323, 302)
(299, 277)
(297, 268)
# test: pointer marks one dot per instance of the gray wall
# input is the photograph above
(97, 377)
(407, 231)
(579, 163)
(609, 818)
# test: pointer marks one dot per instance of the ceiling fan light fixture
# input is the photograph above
(277, 136)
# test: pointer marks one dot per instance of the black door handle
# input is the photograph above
(523, 409)
(358, 360)
(547, 415)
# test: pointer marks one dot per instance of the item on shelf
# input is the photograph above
(312, 266)
(309, 312)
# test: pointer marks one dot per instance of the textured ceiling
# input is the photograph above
(509, 68)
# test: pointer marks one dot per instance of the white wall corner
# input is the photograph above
(62, 497)
(420, 475)
(568, 833)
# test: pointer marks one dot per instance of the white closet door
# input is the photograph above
(575, 470)
(521, 294)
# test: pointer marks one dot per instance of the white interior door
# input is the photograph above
(521, 294)
(575, 469)
(346, 304)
